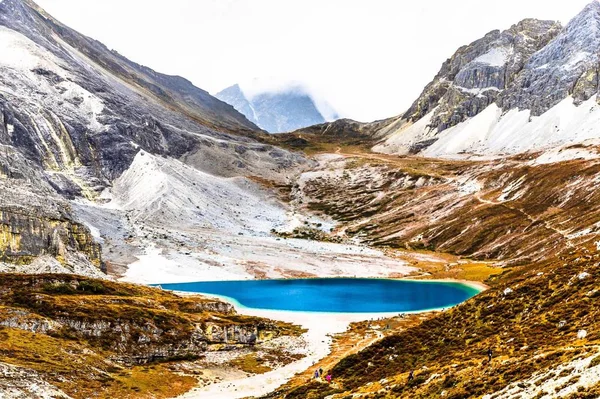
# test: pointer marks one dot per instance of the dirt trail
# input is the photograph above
(529, 217)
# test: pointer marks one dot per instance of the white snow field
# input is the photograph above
(492, 133)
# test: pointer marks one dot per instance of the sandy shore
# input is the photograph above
(320, 326)
(479, 286)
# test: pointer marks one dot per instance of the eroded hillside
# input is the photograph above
(96, 338)
(516, 210)
(534, 218)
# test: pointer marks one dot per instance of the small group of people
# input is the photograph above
(319, 374)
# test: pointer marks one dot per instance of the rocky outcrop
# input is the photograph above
(566, 66)
(22, 383)
(477, 74)
(26, 236)
(35, 222)
(135, 324)
(514, 76)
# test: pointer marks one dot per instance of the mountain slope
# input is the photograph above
(96, 338)
(98, 107)
(532, 218)
(73, 116)
(27, 18)
(528, 88)
(278, 111)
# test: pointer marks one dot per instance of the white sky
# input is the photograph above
(369, 58)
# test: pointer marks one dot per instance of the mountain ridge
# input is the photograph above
(73, 116)
(496, 86)
(277, 111)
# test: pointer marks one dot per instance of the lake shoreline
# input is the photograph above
(355, 296)
(478, 285)
(321, 328)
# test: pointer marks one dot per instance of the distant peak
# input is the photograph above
(585, 26)
(591, 10)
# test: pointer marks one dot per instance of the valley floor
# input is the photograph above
(147, 240)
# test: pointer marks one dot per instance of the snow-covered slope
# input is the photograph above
(73, 116)
(532, 87)
(182, 224)
(73, 107)
(495, 132)
(278, 110)
(169, 193)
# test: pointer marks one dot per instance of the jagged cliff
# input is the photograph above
(531, 87)
(476, 74)
(35, 221)
(73, 116)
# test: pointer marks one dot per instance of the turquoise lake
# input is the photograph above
(335, 295)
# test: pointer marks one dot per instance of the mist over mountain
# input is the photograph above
(116, 179)
(278, 108)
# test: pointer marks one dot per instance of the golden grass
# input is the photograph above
(252, 363)
(80, 363)
(82, 371)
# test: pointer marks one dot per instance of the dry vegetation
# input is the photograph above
(528, 231)
(94, 338)
(530, 319)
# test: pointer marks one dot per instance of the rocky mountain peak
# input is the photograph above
(277, 109)
(533, 67)
(578, 41)
(567, 66)
(477, 74)
(590, 9)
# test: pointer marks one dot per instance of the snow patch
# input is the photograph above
(409, 135)
(510, 192)
(562, 154)
(167, 191)
(553, 383)
(576, 59)
(495, 57)
(477, 91)
(469, 186)
(22, 57)
(493, 133)
(583, 276)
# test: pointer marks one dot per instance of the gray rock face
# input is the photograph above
(74, 114)
(276, 112)
(477, 74)
(532, 67)
(35, 222)
(566, 66)
(234, 96)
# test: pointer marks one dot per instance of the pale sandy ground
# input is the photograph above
(218, 256)
(321, 327)
(165, 222)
